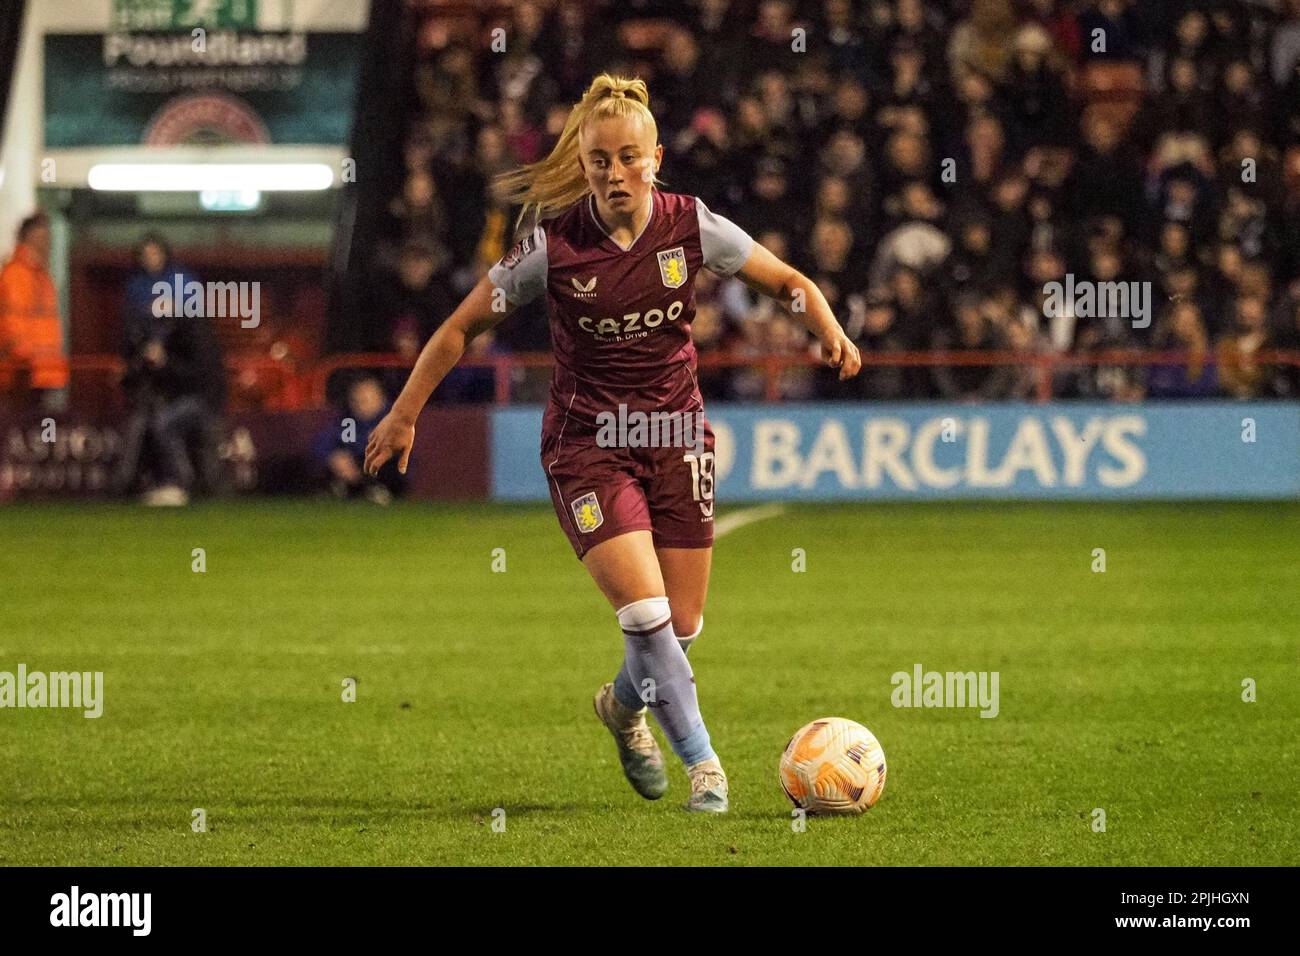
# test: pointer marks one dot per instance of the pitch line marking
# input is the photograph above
(738, 519)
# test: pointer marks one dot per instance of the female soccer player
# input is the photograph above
(617, 258)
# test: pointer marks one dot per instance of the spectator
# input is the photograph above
(850, 110)
(833, 266)
(1287, 381)
(678, 86)
(845, 40)
(972, 332)
(1243, 102)
(175, 384)
(417, 294)
(1183, 107)
(703, 149)
(1175, 249)
(1240, 374)
(878, 336)
(1284, 54)
(976, 261)
(1244, 221)
(32, 362)
(1183, 331)
(914, 307)
(982, 42)
(917, 23)
(1106, 179)
(1040, 106)
(340, 449)
(406, 344)
(770, 204)
(1028, 343)
(909, 86)
(1111, 30)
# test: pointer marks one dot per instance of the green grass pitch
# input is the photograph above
(223, 691)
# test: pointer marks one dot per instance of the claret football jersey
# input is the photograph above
(621, 317)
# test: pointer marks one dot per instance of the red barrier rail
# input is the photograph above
(773, 365)
(284, 386)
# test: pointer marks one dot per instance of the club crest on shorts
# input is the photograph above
(672, 267)
(586, 511)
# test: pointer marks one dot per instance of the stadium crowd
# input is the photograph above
(933, 166)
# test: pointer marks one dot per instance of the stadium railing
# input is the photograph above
(1045, 364)
(275, 384)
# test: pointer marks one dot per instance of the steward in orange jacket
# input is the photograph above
(31, 335)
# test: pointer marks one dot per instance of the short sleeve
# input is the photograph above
(521, 272)
(724, 245)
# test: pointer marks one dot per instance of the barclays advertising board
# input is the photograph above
(1082, 451)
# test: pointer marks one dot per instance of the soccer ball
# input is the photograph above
(833, 766)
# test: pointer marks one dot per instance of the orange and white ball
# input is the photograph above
(833, 766)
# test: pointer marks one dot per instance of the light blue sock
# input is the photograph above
(625, 691)
(656, 663)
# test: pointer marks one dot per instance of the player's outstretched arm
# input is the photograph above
(395, 433)
(767, 274)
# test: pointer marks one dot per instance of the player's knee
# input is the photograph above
(686, 623)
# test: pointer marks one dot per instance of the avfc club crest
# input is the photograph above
(586, 511)
(672, 267)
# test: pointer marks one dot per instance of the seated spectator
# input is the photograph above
(340, 448)
(406, 343)
(1243, 101)
(915, 246)
(976, 261)
(908, 85)
(1025, 340)
(1120, 27)
(1175, 249)
(915, 307)
(1106, 178)
(878, 336)
(770, 204)
(1040, 105)
(833, 265)
(415, 296)
(972, 332)
(1240, 375)
(1244, 222)
(778, 335)
(1182, 331)
(982, 42)
(1184, 106)
(1288, 338)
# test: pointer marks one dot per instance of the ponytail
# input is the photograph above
(556, 182)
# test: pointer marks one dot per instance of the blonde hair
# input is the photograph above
(557, 182)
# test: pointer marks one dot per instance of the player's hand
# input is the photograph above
(393, 435)
(839, 352)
